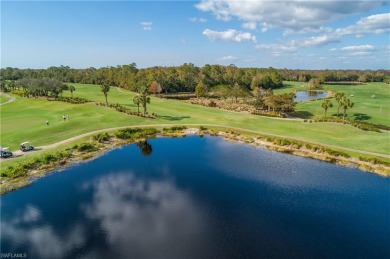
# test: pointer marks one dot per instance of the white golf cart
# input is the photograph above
(26, 146)
(5, 152)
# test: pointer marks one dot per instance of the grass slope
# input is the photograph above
(3, 98)
(373, 110)
(25, 119)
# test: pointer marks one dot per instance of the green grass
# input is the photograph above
(24, 120)
(3, 99)
(373, 110)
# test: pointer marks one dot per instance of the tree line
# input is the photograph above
(186, 77)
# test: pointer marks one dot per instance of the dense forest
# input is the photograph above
(186, 77)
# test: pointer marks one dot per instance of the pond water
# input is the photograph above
(309, 95)
(199, 197)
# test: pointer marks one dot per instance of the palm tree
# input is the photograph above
(72, 89)
(137, 101)
(326, 104)
(339, 96)
(346, 104)
(105, 88)
(144, 98)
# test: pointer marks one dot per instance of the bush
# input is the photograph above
(75, 100)
(101, 137)
(174, 129)
(357, 124)
(269, 114)
(135, 133)
(14, 171)
(86, 147)
(19, 92)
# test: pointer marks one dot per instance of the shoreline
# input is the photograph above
(297, 148)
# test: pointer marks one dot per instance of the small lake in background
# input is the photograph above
(309, 95)
(199, 197)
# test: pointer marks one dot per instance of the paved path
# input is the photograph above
(20, 153)
(11, 98)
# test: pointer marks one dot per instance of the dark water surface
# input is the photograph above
(309, 95)
(199, 198)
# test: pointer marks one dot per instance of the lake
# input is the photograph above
(197, 197)
(309, 95)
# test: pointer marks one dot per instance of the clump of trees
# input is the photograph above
(34, 87)
(184, 78)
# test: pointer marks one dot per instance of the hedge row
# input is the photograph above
(312, 147)
(269, 114)
(174, 129)
(131, 133)
(121, 108)
(75, 100)
(21, 169)
(358, 124)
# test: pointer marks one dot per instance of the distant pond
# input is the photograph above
(199, 197)
(309, 95)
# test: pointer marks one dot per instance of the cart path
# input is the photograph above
(20, 153)
(11, 99)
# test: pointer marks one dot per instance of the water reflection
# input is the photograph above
(39, 239)
(145, 147)
(140, 217)
(281, 170)
(199, 198)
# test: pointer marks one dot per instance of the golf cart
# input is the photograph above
(26, 146)
(5, 152)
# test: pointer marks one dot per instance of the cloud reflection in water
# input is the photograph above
(144, 218)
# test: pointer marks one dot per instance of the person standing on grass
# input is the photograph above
(64, 117)
(47, 122)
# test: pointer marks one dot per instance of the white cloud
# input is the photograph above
(227, 59)
(292, 16)
(196, 19)
(320, 40)
(229, 35)
(360, 53)
(288, 46)
(147, 26)
(249, 25)
(373, 24)
(359, 48)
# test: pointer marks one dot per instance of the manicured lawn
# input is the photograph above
(3, 99)
(374, 110)
(24, 120)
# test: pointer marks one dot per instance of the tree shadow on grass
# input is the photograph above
(173, 118)
(360, 117)
(301, 114)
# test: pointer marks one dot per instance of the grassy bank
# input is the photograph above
(25, 169)
(24, 120)
(366, 108)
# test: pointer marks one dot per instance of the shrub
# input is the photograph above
(174, 129)
(86, 147)
(14, 171)
(47, 158)
(75, 100)
(135, 133)
(101, 137)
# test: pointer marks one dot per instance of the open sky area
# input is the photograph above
(281, 34)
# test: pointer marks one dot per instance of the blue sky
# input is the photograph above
(282, 34)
